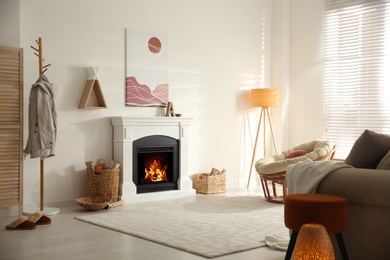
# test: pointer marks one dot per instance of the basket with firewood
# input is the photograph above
(210, 183)
(102, 185)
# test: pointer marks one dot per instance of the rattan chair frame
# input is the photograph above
(280, 178)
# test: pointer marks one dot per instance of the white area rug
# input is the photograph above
(210, 228)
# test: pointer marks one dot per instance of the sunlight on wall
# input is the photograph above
(250, 117)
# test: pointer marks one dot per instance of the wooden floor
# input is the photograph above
(67, 238)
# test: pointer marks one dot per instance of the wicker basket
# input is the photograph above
(209, 184)
(103, 184)
(93, 203)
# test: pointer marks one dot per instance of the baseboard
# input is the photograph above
(13, 211)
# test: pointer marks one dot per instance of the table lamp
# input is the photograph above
(313, 242)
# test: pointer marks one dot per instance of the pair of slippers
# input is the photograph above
(24, 223)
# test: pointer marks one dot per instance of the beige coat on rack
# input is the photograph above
(42, 120)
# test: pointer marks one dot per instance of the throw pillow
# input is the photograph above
(368, 150)
(296, 153)
(385, 162)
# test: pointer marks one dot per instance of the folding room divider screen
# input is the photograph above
(11, 127)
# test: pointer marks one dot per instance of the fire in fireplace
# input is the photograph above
(156, 167)
(155, 163)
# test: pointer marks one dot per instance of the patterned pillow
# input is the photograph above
(296, 153)
(368, 150)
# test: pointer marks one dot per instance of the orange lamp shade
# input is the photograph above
(313, 242)
(265, 97)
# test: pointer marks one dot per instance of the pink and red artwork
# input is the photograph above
(147, 69)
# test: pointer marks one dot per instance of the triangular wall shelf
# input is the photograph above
(92, 84)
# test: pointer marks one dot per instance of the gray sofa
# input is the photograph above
(368, 194)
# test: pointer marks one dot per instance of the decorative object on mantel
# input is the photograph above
(92, 84)
(170, 110)
(41, 92)
(264, 98)
(210, 183)
(102, 186)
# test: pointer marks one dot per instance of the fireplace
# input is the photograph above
(136, 140)
(155, 163)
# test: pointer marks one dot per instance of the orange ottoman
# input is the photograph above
(327, 210)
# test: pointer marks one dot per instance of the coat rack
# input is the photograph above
(42, 70)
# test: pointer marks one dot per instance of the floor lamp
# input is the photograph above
(264, 98)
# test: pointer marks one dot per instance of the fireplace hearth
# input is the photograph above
(155, 163)
(149, 145)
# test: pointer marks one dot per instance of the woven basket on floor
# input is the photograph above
(92, 203)
(103, 184)
(206, 184)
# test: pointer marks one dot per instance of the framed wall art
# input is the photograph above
(147, 74)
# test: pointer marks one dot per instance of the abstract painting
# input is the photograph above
(146, 69)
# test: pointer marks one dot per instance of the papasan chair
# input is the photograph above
(273, 168)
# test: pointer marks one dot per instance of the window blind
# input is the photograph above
(356, 89)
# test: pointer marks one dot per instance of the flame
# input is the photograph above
(155, 172)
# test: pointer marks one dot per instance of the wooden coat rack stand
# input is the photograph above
(46, 211)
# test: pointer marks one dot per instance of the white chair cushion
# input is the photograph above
(279, 163)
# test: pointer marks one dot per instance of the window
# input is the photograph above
(356, 84)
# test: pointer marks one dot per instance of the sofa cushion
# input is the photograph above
(385, 162)
(368, 150)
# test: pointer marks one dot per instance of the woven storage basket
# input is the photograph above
(93, 203)
(103, 184)
(207, 184)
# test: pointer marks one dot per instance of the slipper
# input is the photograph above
(21, 223)
(39, 219)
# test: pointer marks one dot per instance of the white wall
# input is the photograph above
(9, 23)
(305, 107)
(218, 51)
(280, 68)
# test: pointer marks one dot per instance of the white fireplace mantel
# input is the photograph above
(128, 129)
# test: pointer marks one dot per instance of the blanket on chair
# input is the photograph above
(304, 176)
